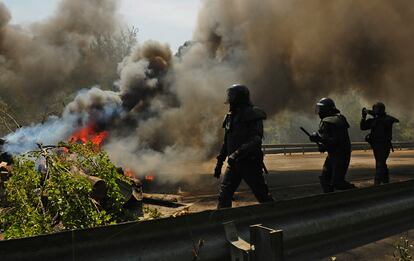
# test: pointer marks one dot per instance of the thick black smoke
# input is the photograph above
(292, 52)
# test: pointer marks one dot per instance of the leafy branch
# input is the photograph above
(44, 193)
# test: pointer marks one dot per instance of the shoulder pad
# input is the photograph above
(392, 119)
(337, 120)
(332, 120)
(253, 114)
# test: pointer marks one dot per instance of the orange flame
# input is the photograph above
(87, 134)
(129, 173)
(149, 178)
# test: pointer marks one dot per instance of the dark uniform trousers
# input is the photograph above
(381, 154)
(249, 171)
(334, 171)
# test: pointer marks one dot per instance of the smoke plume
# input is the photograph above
(38, 61)
(300, 50)
(290, 53)
(166, 114)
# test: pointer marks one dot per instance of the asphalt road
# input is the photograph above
(289, 176)
(292, 170)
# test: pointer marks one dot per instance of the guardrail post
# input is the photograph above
(240, 250)
(267, 243)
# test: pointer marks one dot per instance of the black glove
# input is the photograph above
(321, 148)
(217, 169)
(364, 113)
(233, 158)
(314, 137)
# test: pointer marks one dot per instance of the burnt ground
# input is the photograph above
(294, 176)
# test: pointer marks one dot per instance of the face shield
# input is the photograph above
(230, 97)
(378, 109)
(375, 110)
(319, 108)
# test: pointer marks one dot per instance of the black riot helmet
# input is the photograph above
(378, 109)
(238, 95)
(325, 107)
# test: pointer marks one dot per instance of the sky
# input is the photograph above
(168, 21)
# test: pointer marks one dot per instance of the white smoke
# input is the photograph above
(93, 105)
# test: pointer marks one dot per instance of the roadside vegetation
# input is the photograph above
(50, 190)
(403, 249)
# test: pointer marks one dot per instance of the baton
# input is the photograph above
(305, 131)
(308, 134)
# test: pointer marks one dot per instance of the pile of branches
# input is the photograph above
(69, 186)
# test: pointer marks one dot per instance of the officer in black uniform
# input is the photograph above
(333, 137)
(242, 147)
(379, 138)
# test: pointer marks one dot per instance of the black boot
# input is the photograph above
(345, 185)
(378, 177)
(326, 187)
(386, 178)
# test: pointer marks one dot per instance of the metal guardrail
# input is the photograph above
(303, 148)
(316, 226)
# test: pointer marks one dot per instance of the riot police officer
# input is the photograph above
(333, 137)
(242, 147)
(379, 138)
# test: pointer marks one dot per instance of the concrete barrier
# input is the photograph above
(312, 227)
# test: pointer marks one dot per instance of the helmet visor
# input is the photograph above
(230, 97)
(319, 108)
(378, 109)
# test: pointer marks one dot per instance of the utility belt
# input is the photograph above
(258, 159)
(373, 142)
(369, 139)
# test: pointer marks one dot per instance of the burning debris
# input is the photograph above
(88, 134)
(71, 185)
